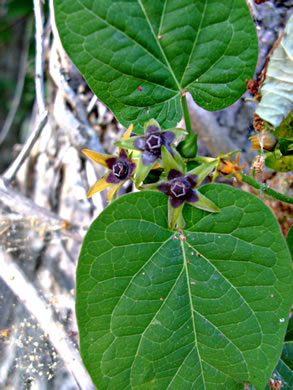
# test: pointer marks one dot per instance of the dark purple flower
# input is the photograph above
(151, 143)
(121, 168)
(179, 188)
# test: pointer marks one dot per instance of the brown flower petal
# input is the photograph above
(173, 174)
(165, 188)
(193, 197)
(192, 179)
(176, 202)
(148, 158)
(168, 137)
(139, 143)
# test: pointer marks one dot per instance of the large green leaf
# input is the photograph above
(139, 55)
(156, 311)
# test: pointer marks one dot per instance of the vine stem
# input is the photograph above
(39, 63)
(268, 191)
(186, 113)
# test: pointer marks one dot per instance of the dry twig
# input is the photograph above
(39, 71)
(27, 294)
(20, 81)
(11, 172)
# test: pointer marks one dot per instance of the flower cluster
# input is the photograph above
(156, 149)
(151, 147)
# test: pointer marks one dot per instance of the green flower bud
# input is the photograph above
(188, 147)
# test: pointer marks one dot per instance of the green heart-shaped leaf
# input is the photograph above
(206, 310)
(138, 56)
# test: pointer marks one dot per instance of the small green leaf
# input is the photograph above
(140, 56)
(204, 310)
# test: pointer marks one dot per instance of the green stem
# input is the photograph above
(186, 114)
(268, 191)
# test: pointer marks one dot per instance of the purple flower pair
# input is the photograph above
(153, 145)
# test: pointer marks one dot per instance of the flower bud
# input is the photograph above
(188, 147)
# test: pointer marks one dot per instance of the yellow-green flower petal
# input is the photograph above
(113, 190)
(204, 203)
(141, 172)
(128, 132)
(169, 161)
(100, 185)
(98, 157)
(175, 215)
(127, 143)
(151, 122)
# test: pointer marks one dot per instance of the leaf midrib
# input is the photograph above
(154, 317)
(160, 47)
(167, 67)
(132, 278)
(185, 266)
(195, 42)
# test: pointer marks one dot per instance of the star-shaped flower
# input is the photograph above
(179, 188)
(152, 142)
(121, 169)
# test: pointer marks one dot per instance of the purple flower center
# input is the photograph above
(120, 169)
(179, 188)
(153, 143)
